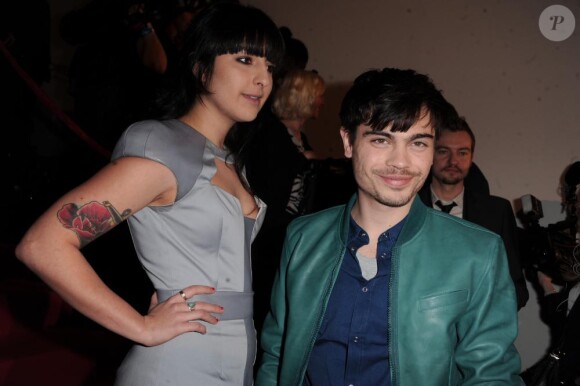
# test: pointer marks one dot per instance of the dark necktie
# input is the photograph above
(445, 208)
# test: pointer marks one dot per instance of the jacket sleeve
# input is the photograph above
(511, 243)
(485, 353)
(274, 325)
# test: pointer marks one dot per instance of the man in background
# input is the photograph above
(452, 191)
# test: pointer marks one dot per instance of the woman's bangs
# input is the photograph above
(257, 40)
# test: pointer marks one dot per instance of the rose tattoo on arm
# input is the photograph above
(91, 220)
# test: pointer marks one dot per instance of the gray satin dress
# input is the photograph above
(203, 238)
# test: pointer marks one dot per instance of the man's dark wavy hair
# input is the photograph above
(396, 97)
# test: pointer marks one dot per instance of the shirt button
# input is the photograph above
(363, 234)
(355, 340)
(365, 289)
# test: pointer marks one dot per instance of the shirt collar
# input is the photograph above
(457, 199)
(356, 233)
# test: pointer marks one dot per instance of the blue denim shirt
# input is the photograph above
(352, 344)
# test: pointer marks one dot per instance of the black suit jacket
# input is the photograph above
(563, 328)
(496, 214)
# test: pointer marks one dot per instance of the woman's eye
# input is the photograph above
(245, 60)
(271, 68)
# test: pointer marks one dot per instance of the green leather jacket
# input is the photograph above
(452, 308)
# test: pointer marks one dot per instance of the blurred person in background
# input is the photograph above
(281, 172)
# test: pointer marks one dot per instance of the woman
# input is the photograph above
(560, 310)
(281, 172)
(189, 209)
(298, 99)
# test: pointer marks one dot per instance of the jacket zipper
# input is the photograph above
(390, 318)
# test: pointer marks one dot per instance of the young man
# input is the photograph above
(450, 191)
(384, 291)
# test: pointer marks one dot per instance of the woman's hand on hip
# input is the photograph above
(179, 314)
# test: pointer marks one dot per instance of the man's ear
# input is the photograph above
(344, 134)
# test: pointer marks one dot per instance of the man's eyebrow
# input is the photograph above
(389, 135)
(378, 132)
(448, 148)
(422, 135)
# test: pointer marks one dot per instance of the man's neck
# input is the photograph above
(446, 192)
(376, 218)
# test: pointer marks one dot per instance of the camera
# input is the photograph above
(546, 248)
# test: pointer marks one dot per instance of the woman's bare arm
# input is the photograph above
(51, 248)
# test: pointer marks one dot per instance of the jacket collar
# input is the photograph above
(415, 220)
(413, 224)
(345, 219)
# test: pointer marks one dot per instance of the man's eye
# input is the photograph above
(379, 141)
(420, 144)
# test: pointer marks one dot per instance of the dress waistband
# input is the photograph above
(237, 305)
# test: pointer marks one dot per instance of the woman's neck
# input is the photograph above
(294, 125)
(212, 126)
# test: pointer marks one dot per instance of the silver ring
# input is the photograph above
(191, 305)
(182, 294)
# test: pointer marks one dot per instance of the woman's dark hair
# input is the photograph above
(221, 28)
